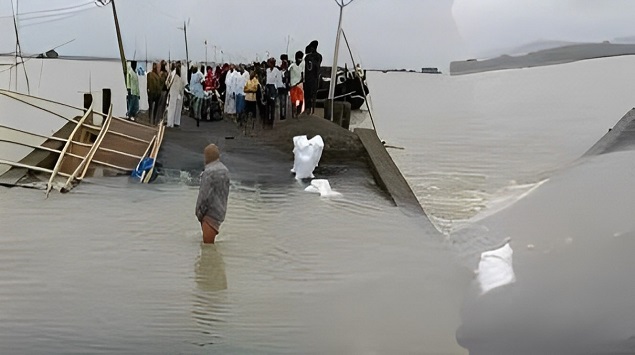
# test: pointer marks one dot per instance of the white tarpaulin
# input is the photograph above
(307, 154)
(495, 269)
(323, 187)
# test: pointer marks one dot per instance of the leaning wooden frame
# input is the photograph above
(78, 146)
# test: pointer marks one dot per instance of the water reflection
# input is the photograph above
(210, 270)
(209, 304)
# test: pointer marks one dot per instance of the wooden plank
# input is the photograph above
(5, 129)
(133, 129)
(34, 168)
(17, 97)
(116, 158)
(74, 157)
(386, 172)
(12, 176)
(120, 143)
(93, 149)
(155, 153)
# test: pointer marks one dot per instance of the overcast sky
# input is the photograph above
(383, 33)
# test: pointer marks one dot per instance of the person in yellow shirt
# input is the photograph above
(250, 94)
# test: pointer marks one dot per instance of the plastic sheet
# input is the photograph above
(307, 154)
(322, 187)
(495, 269)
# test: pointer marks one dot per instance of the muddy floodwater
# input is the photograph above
(118, 267)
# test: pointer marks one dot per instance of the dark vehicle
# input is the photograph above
(348, 86)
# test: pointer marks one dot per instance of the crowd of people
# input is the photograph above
(258, 90)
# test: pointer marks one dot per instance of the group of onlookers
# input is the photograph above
(165, 93)
(261, 89)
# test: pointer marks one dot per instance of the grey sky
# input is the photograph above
(384, 33)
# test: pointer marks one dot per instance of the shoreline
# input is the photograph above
(553, 56)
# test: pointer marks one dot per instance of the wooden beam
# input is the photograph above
(30, 167)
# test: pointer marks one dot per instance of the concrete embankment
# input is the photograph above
(620, 137)
(565, 54)
(270, 152)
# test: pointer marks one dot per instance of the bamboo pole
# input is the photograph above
(120, 42)
(86, 159)
(66, 146)
(100, 138)
(35, 168)
(155, 152)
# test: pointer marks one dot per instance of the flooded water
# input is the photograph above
(117, 267)
(476, 142)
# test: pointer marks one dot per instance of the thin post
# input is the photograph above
(18, 50)
(121, 52)
(331, 98)
(360, 80)
(187, 53)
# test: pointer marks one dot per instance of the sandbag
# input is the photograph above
(323, 187)
(307, 154)
(495, 269)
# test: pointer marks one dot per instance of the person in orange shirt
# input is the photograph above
(296, 71)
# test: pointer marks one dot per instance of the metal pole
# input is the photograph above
(334, 66)
(206, 53)
(121, 52)
(187, 54)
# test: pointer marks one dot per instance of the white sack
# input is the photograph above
(307, 154)
(495, 269)
(322, 187)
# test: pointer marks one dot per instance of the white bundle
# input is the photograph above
(495, 269)
(307, 154)
(322, 187)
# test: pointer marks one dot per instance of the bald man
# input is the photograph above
(211, 204)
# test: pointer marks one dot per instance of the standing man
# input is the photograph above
(163, 99)
(283, 91)
(296, 74)
(312, 64)
(196, 88)
(213, 193)
(230, 91)
(175, 101)
(132, 84)
(241, 81)
(274, 81)
(154, 92)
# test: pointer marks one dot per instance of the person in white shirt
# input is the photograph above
(176, 86)
(230, 90)
(274, 81)
(241, 81)
(196, 88)
(296, 71)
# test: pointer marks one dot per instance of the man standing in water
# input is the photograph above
(211, 204)
(312, 63)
